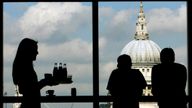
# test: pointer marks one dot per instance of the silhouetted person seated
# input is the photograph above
(24, 75)
(169, 81)
(125, 84)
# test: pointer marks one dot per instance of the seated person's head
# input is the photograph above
(124, 61)
(167, 55)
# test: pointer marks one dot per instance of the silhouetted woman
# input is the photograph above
(24, 75)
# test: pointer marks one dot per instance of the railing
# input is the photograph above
(63, 99)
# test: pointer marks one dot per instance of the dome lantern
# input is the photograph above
(141, 26)
(142, 50)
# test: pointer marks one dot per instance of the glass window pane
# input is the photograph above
(54, 105)
(66, 105)
(120, 23)
(141, 105)
(64, 34)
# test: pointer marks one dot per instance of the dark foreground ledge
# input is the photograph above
(63, 99)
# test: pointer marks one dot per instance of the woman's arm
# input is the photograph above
(46, 82)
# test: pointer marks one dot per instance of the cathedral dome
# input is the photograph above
(142, 51)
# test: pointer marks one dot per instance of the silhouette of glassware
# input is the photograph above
(60, 73)
(73, 92)
(64, 71)
(60, 76)
(55, 73)
(48, 76)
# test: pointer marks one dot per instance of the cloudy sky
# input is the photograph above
(64, 34)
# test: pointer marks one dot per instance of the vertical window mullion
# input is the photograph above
(1, 62)
(189, 55)
(95, 53)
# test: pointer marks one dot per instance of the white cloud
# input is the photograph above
(44, 19)
(73, 50)
(9, 52)
(181, 55)
(120, 18)
(106, 69)
(102, 42)
(106, 11)
(105, 72)
(76, 49)
(166, 19)
(115, 24)
(10, 28)
(113, 18)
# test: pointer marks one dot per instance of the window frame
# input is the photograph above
(95, 98)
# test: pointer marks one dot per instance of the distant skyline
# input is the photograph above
(64, 34)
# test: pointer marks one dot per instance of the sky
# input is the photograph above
(64, 34)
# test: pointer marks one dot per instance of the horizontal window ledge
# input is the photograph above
(63, 99)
